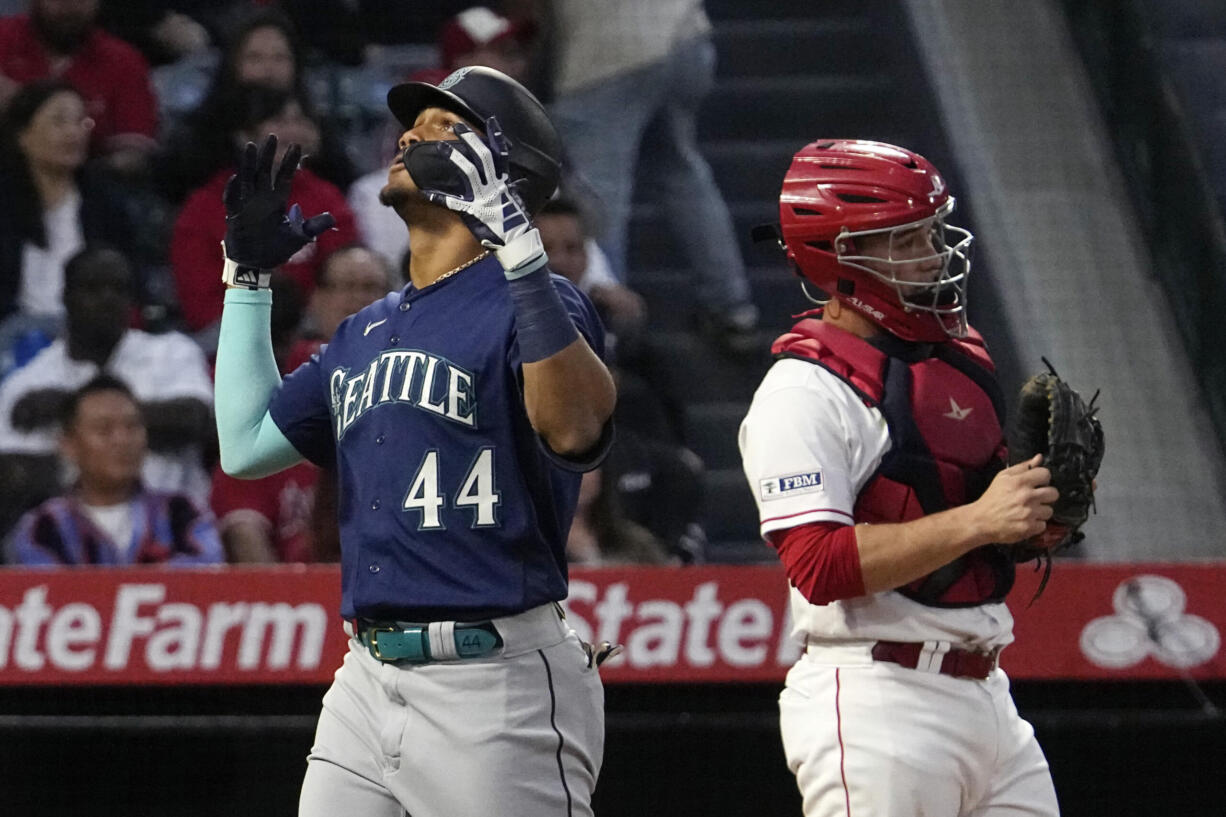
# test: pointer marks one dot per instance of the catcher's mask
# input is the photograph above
(476, 93)
(838, 195)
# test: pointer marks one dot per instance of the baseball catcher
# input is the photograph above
(876, 451)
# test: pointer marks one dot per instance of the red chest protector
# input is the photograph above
(945, 413)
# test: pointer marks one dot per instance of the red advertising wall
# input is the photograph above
(279, 625)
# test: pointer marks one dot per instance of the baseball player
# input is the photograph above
(459, 414)
(875, 452)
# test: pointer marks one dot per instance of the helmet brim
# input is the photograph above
(409, 99)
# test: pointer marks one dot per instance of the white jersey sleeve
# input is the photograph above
(808, 445)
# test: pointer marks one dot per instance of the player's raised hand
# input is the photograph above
(260, 234)
(486, 201)
(1017, 504)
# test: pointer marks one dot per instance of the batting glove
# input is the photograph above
(260, 234)
(487, 202)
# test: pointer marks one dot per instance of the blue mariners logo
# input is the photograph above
(454, 77)
(791, 485)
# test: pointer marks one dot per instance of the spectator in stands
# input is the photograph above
(276, 508)
(108, 517)
(480, 36)
(647, 404)
(658, 482)
(267, 520)
(290, 516)
(50, 209)
(163, 31)
(475, 36)
(271, 519)
(166, 372)
(60, 38)
(263, 50)
(660, 486)
(201, 224)
(629, 78)
(602, 535)
(347, 280)
(566, 241)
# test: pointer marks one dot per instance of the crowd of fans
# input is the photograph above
(120, 123)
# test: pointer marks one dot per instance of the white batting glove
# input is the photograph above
(489, 205)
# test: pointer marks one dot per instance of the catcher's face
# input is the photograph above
(909, 256)
(924, 262)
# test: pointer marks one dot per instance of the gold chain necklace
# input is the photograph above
(463, 266)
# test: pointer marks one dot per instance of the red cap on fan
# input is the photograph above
(476, 28)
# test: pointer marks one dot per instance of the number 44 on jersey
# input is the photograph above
(476, 491)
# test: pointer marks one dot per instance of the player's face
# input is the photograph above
(431, 125)
(562, 236)
(265, 58)
(913, 253)
(107, 440)
(57, 137)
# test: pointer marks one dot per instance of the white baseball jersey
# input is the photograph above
(809, 445)
(864, 736)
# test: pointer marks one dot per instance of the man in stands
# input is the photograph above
(108, 517)
(167, 372)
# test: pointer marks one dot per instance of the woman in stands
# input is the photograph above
(50, 208)
(201, 224)
(264, 50)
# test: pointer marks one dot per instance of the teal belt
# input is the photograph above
(411, 643)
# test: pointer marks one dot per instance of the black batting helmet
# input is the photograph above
(477, 93)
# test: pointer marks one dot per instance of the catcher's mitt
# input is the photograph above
(1054, 421)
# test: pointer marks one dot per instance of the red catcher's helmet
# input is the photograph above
(838, 193)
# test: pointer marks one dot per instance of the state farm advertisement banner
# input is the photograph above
(279, 625)
(190, 626)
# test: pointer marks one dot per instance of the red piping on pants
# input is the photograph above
(838, 716)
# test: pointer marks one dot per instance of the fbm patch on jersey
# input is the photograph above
(420, 379)
(780, 487)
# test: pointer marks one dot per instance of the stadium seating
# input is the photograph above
(788, 74)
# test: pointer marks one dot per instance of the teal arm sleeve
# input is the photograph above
(246, 378)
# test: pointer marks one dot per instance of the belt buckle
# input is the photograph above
(372, 641)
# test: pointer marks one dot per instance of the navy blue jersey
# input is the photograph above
(450, 505)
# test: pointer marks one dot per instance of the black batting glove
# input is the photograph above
(260, 234)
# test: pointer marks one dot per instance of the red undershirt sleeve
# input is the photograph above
(821, 560)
